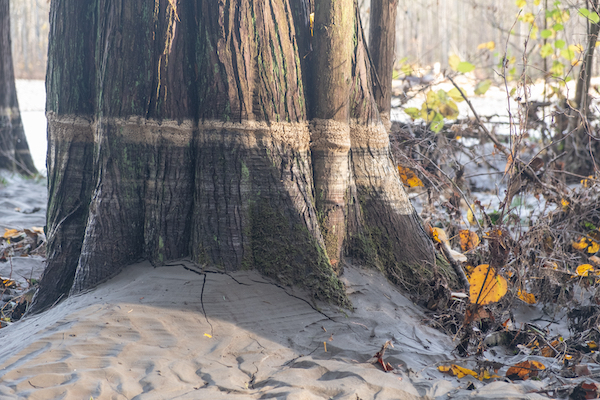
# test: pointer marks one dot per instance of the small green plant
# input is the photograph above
(440, 105)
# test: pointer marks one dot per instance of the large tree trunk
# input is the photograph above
(182, 130)
(14, 151)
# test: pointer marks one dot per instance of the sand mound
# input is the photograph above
(180, 332)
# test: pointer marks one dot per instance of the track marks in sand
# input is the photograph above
(142, 335)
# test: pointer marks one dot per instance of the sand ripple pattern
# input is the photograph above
(144, 335)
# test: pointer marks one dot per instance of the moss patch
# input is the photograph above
(285, 250)
(375, 247)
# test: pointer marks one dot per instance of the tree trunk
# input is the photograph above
(14, 151)
(580, 150)
(382, 46)
(182, 130)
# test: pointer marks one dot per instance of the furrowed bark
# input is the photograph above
(384, 229)
(382, 45)
(200, 145)
(182, 129)
(14, 150)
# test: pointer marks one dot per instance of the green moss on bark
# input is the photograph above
(285, 250)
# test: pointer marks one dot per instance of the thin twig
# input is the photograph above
(489, 134)
(455, 185)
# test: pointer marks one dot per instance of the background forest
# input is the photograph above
(427, 31)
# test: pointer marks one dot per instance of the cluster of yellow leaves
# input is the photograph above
(409, 178)
(523, 3)
(461, 372)
(588, 182)
(486, 285)
(590, 244)
(487, 46)
(6, 283)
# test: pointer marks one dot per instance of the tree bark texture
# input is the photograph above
(182, 129)
(14, 150)
(382, 46)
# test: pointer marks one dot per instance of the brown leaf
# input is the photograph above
(524, 370)
(536, 164)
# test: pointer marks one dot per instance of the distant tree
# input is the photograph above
(224, 132)
(582, 145)
(14, 151)
(382, 47)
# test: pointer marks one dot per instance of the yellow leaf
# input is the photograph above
(453, 61)
(438, 235)
(584, 269)
(521, 3)
(486, 285)
(468, 240)
(11, 233)
(526, 297)
(594, 247)
(208, 335)
(565, 204)
(592, 345)
(408, 177)
(470, 216)
(486, 375)
(537, 364)
(469, 270)
(458, 371)
(581, 245)
(455, 95)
